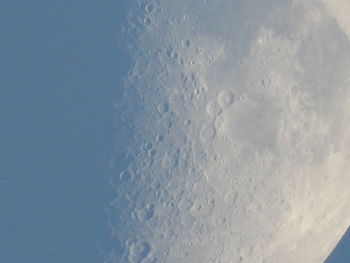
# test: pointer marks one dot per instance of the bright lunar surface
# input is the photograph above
(235, 131)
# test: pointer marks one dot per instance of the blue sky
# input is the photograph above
(60, 75)
(60, 72)
(342, 252)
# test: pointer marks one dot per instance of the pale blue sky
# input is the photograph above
(60, 72)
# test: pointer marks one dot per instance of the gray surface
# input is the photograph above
(259, 178)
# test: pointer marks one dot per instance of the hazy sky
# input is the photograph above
(60, 73)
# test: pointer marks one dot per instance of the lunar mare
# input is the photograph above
(235, 128)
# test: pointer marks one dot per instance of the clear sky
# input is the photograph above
(342, 252)
(60, 72)
(60, 67)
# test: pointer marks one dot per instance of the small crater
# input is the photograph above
(146, 213)
(225, 98)
(139, 251)
(148, 146)
(152, 152)
(213, 109)
(149, 8)
(159, 138)
(163, 108)
(170, 160)
(125, 176)
(196, 92)
(186, 43)
(147, 21)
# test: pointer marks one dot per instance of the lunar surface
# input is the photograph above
(233, 133)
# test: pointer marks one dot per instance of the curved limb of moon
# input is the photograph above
(239, 132)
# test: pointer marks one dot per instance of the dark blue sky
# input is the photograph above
(60, 75)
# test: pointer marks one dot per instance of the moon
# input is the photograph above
(234, 129)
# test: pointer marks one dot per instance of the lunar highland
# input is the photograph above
(234, 130)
